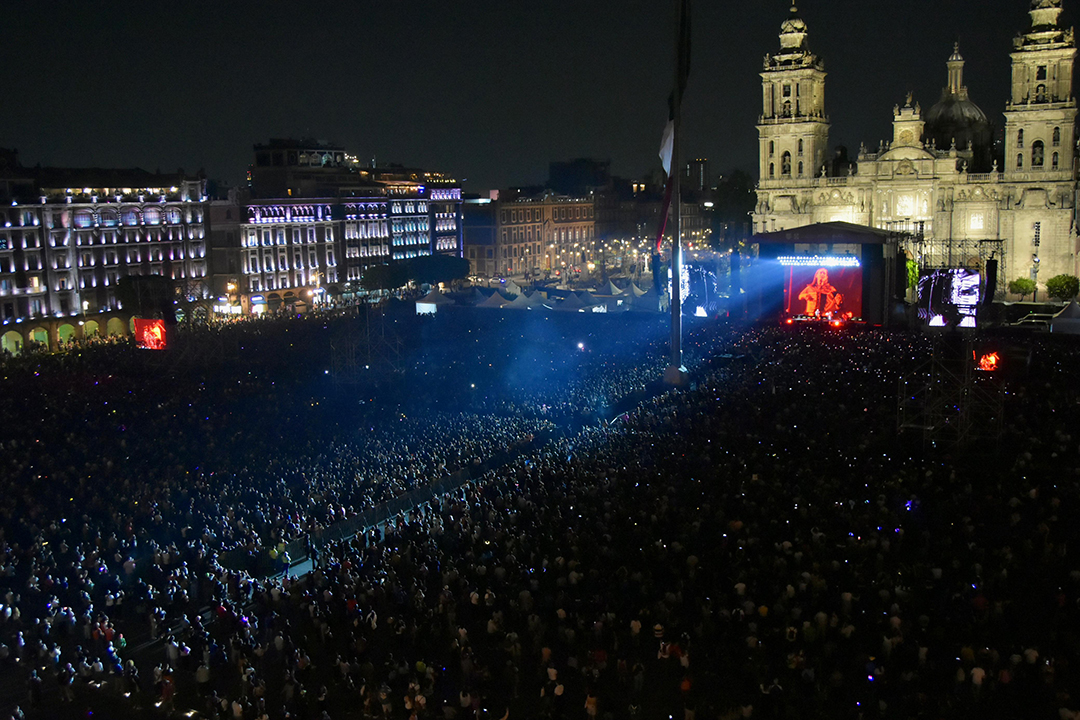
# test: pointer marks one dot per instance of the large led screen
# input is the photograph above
(948, 297)
(823, 292)
(149, 334)
(703, 296)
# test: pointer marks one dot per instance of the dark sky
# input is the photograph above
(486, 91)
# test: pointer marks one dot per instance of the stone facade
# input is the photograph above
(1025, 211)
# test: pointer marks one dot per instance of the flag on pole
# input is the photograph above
(667, 146)
(667, 141)
(668, 138)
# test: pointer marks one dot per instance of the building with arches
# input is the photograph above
(67, 236)
(54, 333)
(938, 177)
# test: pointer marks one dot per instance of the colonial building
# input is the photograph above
(938, 178)
(70, 235)
(547, 232)
(316, 219)
(480, 220)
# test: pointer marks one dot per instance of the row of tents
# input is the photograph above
(606, 299)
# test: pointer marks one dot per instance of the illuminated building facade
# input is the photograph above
(315, 219)
(545, 233)
(938, 174)
(289, 248)
(70, 235)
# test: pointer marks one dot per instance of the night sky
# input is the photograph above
(487, 91)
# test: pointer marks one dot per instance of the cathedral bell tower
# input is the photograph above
(793, 131)
(1040, 117)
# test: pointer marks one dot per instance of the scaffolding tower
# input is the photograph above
(948, 400)
(361, 355)
(942, 253)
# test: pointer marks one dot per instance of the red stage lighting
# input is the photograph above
(989, 362)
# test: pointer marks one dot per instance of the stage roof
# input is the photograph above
(830, 232)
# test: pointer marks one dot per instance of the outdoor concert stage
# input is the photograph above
(833, 272)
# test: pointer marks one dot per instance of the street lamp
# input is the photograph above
(1035, 276)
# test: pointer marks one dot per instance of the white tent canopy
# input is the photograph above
(571, 303)
(429, 304)
(495, 301)
(650, 301)
(523, 302)
(587, 298)
(610, 289)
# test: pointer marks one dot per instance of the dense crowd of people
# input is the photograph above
(762, 544)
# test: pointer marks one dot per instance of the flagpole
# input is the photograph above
(675, 374)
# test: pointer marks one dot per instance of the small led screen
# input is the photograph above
(149, 334)
(948, 297)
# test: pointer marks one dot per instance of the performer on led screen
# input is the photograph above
(820, 295)
(155, 337)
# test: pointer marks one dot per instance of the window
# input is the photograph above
(1037, 154)
(800, 146)
(1040, 93)
(1019, 138)
(772, 148)
(800, 168)
(1040, 73)
(772, 170)
(787, 91)
(1019, 160)
(1054, 161)
(785, 164)
(787, 108)
(1057, 136)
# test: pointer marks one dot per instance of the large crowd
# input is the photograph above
(762, 544)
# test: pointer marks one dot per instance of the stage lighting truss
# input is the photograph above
(819, 260)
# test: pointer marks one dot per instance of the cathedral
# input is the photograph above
(939, 181)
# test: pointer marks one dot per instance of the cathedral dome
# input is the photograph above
(955, 118)
(954, 113)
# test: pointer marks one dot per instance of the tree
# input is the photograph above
(1022, 286)
(1063, 287)
(385, 277)
(912, 273)
(435, 269)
